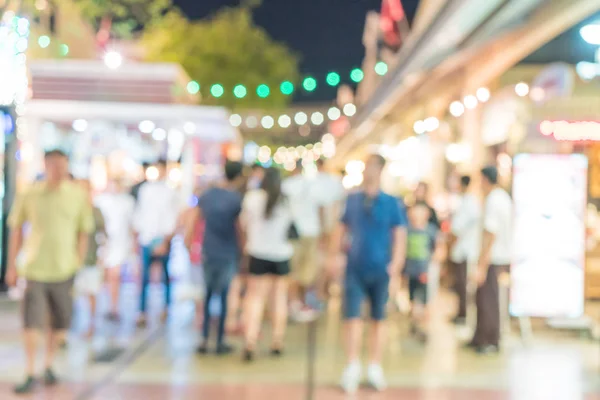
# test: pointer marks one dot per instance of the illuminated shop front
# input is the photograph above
(110, 121)
(557, 116)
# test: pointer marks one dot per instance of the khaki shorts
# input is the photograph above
(305, 261)
(42, 299)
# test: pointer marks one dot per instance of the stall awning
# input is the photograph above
(91, 80)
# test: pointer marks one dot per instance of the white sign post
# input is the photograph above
(550, 198)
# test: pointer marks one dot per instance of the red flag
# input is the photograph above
(103, 35)
(392, 21)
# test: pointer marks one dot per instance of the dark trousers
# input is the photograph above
(222, 318)
(147, 260)
(487, 331)
(460, 286)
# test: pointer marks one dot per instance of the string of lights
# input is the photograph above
(482, 95)
(309, 83)
(299, 118)
(288, 157)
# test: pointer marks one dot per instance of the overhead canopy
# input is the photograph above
(467, 43)
(209, 123)
(92, 80)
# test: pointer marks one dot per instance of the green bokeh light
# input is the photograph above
(263, 91)
(357, 75)
(333, 79)
(309, 84)
(287, 88)
(64, 50)
(44, 41)
(240, 91)
(217, 90)
(381, 68)
(193, 87)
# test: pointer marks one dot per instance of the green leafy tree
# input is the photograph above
(126, 16)
(227, 49)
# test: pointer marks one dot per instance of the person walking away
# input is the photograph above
(135, 189)
(465, 242)
(234, 324)
(266, 219)
(220, 207)
(418, 259)
(373, 225)
(257, 174)
(60, 220)
(307, 211)
(330, 187)
(494, 258)
(88, 282)
(193, 242)
(118, 208)
(155, 222)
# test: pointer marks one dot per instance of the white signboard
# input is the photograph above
(547, 274)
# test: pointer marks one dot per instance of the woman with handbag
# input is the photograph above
(267, 220)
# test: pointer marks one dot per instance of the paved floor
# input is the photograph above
(159, 363)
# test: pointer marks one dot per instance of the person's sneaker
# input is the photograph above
(113, 317)
(141, 321)
(26, 387)
(276, 352)
(50, 378)
(375, 377)
(202, 348)
(487, 349)
(305, 314)
(224, 349)
(351, 377)
(164, 316)
(248, 356)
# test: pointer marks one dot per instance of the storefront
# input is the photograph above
(110, 122)
(551, 112)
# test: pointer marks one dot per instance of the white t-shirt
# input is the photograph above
(329, 188)
(306, 198)
(157, 210)
(117, 209)
(498, 221)
(267, 238)
(332, 192)
(466, 226)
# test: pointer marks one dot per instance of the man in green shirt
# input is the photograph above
(58, 217)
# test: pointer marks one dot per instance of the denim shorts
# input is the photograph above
(374, 288)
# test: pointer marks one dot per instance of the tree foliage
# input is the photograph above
(227, 49)
(127, 16)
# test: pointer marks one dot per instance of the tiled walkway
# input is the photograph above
(159, 363)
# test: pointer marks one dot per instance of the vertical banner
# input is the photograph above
(550, 198)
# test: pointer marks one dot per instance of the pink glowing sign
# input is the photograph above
(572, 131)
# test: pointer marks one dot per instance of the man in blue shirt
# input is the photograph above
(374, 227)
(220, 207)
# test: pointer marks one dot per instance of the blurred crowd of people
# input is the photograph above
(262, 243)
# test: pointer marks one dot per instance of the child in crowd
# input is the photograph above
(419, 253)
(89, 280)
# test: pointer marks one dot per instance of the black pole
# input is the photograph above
(8, 177)
(312, 359)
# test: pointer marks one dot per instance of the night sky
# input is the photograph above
(326, 34)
